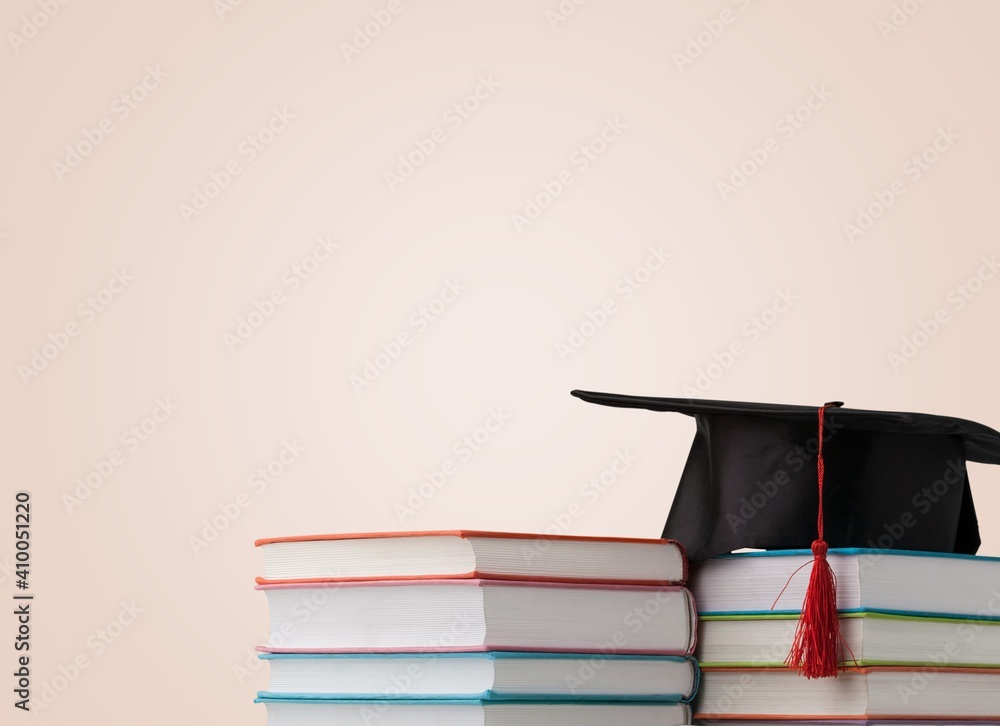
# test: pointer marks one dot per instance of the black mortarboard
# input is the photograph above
(892, 480)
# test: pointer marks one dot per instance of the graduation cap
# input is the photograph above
(772, 476)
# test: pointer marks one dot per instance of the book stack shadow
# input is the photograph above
(478, 628)
(920, 639)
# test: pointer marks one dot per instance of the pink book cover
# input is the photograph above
(480, 582)
(475, 574)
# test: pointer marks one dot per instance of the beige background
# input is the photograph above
(323, 175)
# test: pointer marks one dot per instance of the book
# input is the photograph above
(477, 614)
(888, 581)
(489, 675)
(303, 712)
(864, 693)
(870, 639)
(471, 554)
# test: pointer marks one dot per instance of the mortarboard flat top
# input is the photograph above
(892, 480)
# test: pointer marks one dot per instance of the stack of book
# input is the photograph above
(477, 628)
(921, 638)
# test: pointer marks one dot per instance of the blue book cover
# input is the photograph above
(883, 581)
(400, 695)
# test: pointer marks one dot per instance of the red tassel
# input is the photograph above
(816, 647)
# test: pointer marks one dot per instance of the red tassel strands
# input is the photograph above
(816, 648)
